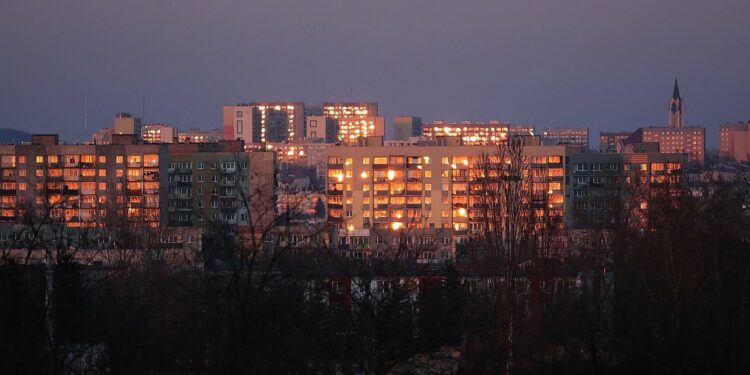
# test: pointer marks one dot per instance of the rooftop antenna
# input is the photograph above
(85, 109)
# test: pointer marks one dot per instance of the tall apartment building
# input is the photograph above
(429, 193)
(278, 122)
(734, 141)
(207, 182)
(355, 120)
(556, 136)
(238, 122)
(264, 122)
(689, 140)
(158, 133)
(595, 188)
(84, 185)
(322, 129)
(476, 133)
(350, 110)
(195, 135)
(126, 124)
(405, 127)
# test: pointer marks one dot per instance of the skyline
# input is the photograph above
(608, 67)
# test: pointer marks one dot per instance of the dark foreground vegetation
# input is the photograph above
(665, 292)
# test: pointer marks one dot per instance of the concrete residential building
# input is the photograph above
(322, 129)
(350, 110)
(557, 136)
(378, 194)
(405, 127)
(126, 124)
(476, 133)
(158, 133)
(734, 141)
(195, 135)
(350, 129)
(237, 123)
(85, 185)
(595, 187)
(207, 183)
(277, 122)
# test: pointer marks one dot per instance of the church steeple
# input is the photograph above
(674, 110)
(676, 91)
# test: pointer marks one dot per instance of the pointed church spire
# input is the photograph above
(676, 92)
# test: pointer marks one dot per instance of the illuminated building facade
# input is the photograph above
(476, 133)
(264, 122)
(158, 133)
(428, 193)
(355, 120)
(278, 122)
(84, 185)
(195, 135)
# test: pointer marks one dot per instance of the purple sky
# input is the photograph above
(607, 65)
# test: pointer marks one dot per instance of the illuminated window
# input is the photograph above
(22, 186)
(365, 161)
(22, 172)
(428, 187)
(119, 173)
(428, 174)
(102, 159)
(119, 159)
(444, 160)
(39, 173)
(102, 173)
(40, 159)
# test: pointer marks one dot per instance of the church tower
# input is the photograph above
(675, 107)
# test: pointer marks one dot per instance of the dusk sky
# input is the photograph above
(606, 65)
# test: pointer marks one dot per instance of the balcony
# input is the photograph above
(413, 192)
(7, 191)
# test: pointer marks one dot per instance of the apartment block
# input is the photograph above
(428, 194)
(194, 135)
(557, 136)
(322, 129)
(158, 133)
(405, 127)
(596, 187)
(734, 141)
(476, 133)
(689, 140)
(84, 185)
(207, 183)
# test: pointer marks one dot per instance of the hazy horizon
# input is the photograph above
(604, 65)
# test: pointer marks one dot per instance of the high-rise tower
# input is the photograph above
(675, 108)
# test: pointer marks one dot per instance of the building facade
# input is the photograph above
(207, 183)
(734, 141)
(476, 133)
(158, 133)
(428, 193)
(405, 127)
(557, 136)
(84, 185)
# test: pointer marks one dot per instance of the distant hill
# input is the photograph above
(14, 136)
